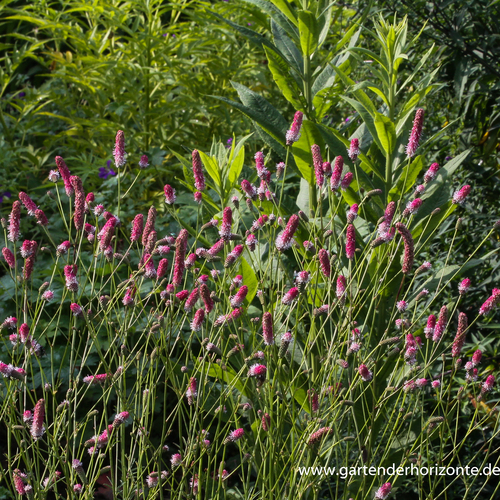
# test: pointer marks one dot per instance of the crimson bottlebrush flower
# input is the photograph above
(460, 195)
(192, 299)
(248, 189)
(419, 190)
(176, 460)
(324, 262)
(79, 215)
(41, 218)
(435, 384)
(76, 309)
(257, 371)
(409, 386)
(144, 162)
(234, 436)
(365, 374)
(149, 265)
(119, 152)
(37, 429)
(106, 234)
(431, 173)
(150, 225)
(318, 165)
(54, 176)
(180, 256)
(128, 298)
(10, 323)
(350, 246)
(353, 150)
(488, 384)
(293, 134)
(29, 263)
(28, 203)
(227, 220)
(26, 249)
(471, 375)
(313, 400)
(216, 248)
(346, 181)
(162, 268)
(290, 296)
(259, 223)
(341, 287)
(89, 201)
(411, 355)
(309, 246)
(137, 227)
(78, 468)
(199, 178)
(191, 392)
(20, 480)
(14, 220)
(100, 378)
(238, 299)
(402, 305)
(233, 256)
(190, 261)
(70, 273)
(251, 242)
(207, 299)
(353, 213)
(317, 436)
(424, 267)
(408, 254)
(120, 419)
(285, 238)
(63, 248)
(412, 207)
(280, 168)
(491, 302)
(476, 357)
(150, 245)
(464, 286)
(199, 316)
(338, 166)
(441, 324)
(262, 171)
(327, 169)
(65, 174)
(267, 328)
(162, 250)
(9, 257)
(383, 492)
(169, 194)
(415, 134)
(460, 336)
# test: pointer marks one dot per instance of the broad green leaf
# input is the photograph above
(281, 75)
(407, 179)
(287, 48)
(237, 158)
(284, 7)
(249, 279)
(303, 196)
(309, 32)
(228, 375)
(302, 150)
(386, 132)
(279, 17)
(210, 164)
(361, 96)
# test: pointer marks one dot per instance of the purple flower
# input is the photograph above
(105, 172)
(229, 143)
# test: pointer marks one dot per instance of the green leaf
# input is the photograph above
(281, 75)
(386, 132)
(407, 179)
(284, 7)
(309, 32)
(236, 159)
(287, 48)
(279, 17)
(210, 164)
(302, 150)
(249, 278)
(228, 375)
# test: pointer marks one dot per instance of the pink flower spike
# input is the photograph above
(198, 320)
(464, 286)
(191, 392)
(338, 166)
(9, 257)
(318, 165)
(238, 299)
(28, 203)
(413, 206)
(491, 302)
(488, 384)
(408, 254)
(383, 492)
(350, 246)
(119, 152)
(198, 197)
(353, 213)
(137, 227)
(199, 178)
(431, 324)
(346, 181)
(431, 173)
(353, 150)
(290, 296)
(267, 328)
(79, 215)
(324, 262)
(365, 374)
(170, 196)
(293, 134)
(144, 162)
(65, 174)
(76, 309)
(248, 189)
(257, 371)
(227, 220)
(460, 195)
(285, 238)
(234, 436)
(180, 256)
(120, 419)
(14, 220)
(415, 134)
(37, 429)
(41, 218)
(234, 255)
(460, 336)
(476, 357)
(441, 324)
